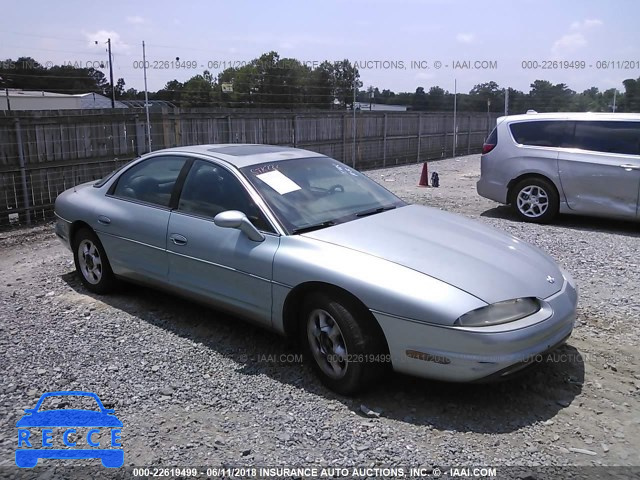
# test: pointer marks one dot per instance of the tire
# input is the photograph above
(341, 342)
(535, 200)
(92, 263)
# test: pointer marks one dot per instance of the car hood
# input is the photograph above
(69, 418)
(480, 260)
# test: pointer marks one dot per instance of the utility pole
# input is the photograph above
(146, 94)
(353, 149)
(488, 116)
(6, 92)
(615, 91)
(506, 101)
(113, 91)
(455, 111)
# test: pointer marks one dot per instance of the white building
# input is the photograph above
(380, 107)
(40, 100)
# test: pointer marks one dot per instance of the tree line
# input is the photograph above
(272, 82)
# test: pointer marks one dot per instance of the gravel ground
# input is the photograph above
(197, 387)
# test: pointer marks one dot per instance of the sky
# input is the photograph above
(398, 45)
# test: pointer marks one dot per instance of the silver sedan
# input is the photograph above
(306, 246)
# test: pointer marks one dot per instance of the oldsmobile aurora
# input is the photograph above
(311, 248)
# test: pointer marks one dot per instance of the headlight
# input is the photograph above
(501, 312)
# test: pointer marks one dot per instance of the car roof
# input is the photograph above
(570, 116)
(243, 155)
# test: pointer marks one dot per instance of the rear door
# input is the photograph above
(132, 225)
(220, 265)
(600, 172)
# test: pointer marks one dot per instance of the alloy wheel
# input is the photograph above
(327, 343)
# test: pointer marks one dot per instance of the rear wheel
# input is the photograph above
(535, 200)
(342, 343)
(91, 262)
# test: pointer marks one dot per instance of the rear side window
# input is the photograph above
(609, 137)
(540, 133)
(151, 181)
(492, 139)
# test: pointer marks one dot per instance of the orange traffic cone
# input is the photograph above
(424, 177)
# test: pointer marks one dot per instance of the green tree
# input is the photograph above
(172, 92)
(486, 95)
(546, 97)
(320, 87)
(27, 74)
(420, 100)
(436, 100)
(197, 92)
(631, 100)
(344, 77)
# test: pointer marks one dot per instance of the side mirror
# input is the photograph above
(238, 220)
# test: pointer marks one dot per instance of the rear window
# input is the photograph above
(540, 133)
(609, 137)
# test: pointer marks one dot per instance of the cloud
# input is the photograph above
(586, 24)
(287, 46)
(97, 40)
(465, 37)
(576, 38)
(424, 76)
(136, 20)
(569, 43)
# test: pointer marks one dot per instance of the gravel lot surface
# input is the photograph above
(197, 387)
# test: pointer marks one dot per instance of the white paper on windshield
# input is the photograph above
(279, 182)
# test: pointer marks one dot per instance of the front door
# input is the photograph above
(219, 264)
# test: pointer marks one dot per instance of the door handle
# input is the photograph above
(104, 220)
(178, 239)
(629, 166)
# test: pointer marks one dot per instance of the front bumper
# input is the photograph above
(465, 355)
(63, 231)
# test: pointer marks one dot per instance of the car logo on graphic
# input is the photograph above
(34, 445)
(550, 279)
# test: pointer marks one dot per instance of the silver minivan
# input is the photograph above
(543, 164)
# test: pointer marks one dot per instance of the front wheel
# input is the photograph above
(91, 262)
(342, 343)
(535, 200)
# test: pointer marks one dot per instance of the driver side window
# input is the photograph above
(210, 189)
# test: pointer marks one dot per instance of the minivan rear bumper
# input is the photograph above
(492, 189)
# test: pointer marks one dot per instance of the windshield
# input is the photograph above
(78, 402)
(317, 192)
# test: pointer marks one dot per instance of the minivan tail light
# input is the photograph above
(487, 147)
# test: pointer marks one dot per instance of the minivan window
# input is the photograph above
(609, 137)
(540, 133)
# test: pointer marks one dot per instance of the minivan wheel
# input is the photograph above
(535, 200)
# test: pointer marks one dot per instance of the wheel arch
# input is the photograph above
(295, 298)
(75, 228)
(513, 182)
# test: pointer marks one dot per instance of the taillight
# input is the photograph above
(487, 147)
